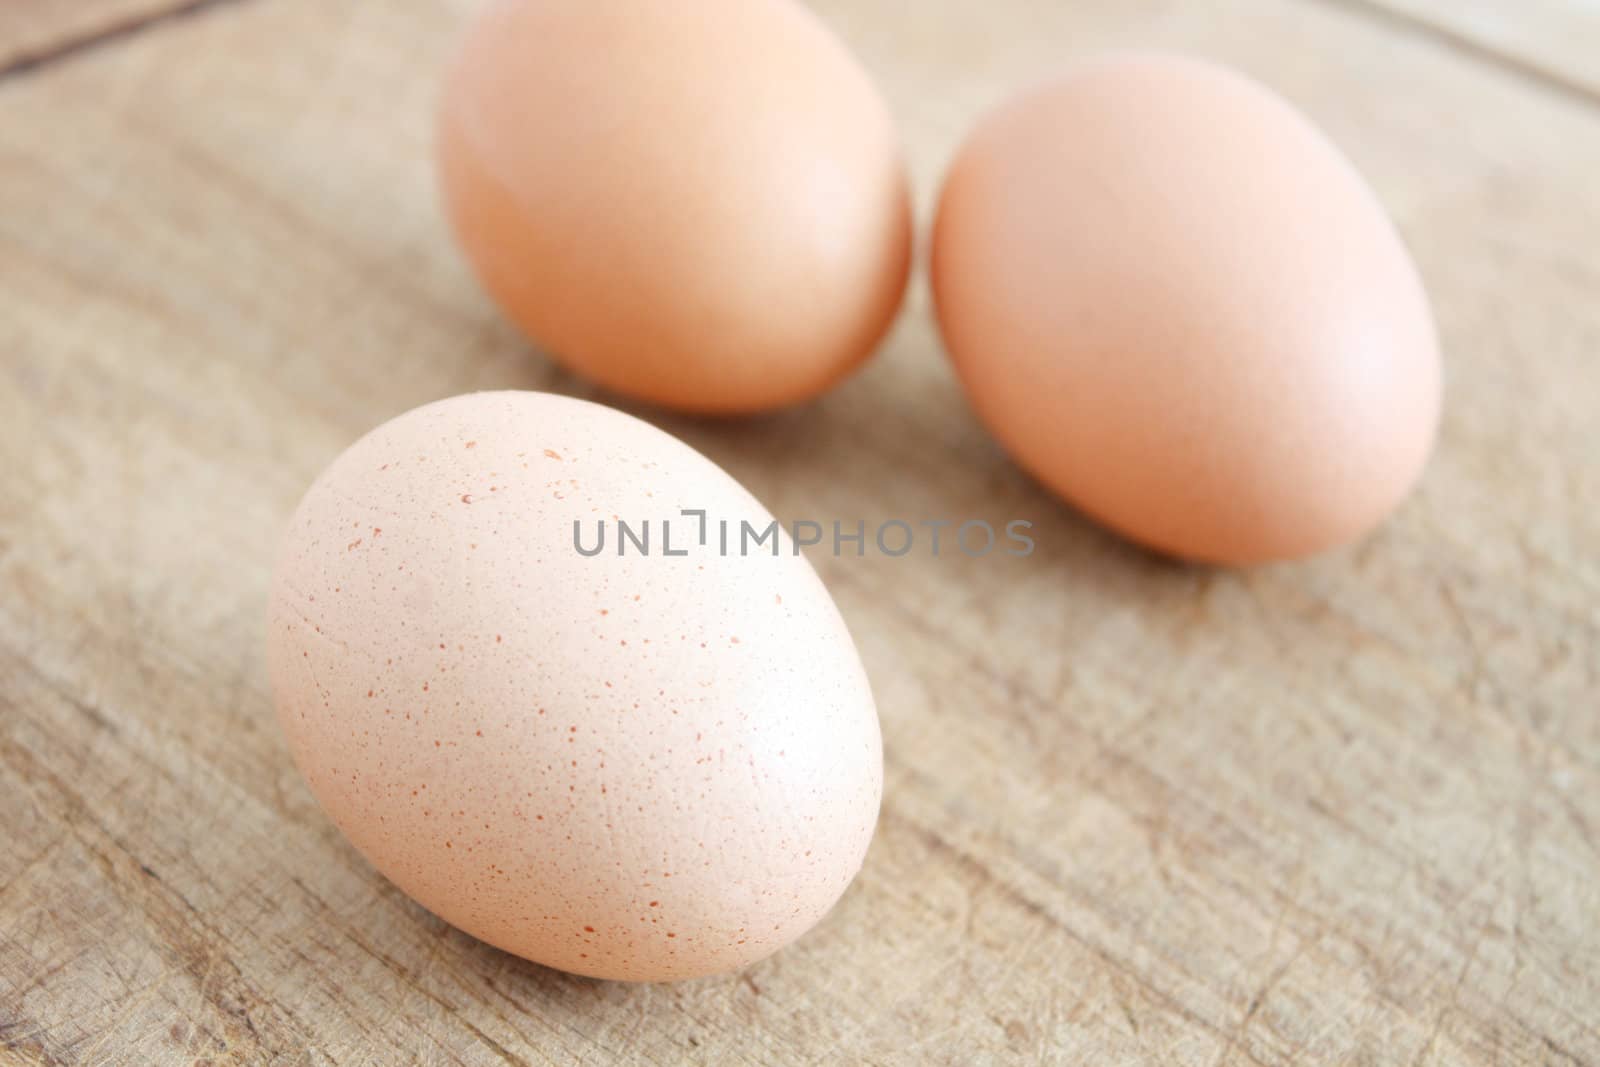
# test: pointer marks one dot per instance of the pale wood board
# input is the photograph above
(1345, 811)
(34, 31)
(1555, 41)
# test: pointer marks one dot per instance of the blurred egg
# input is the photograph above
(628, 764)
(698, 205)
(1181, 308)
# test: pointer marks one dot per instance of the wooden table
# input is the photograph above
(1345, 811)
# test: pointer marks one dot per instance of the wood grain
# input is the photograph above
(1554, 41)
(35, 32)
(1341, 812)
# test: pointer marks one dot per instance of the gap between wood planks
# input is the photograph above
(1506, 63)
(106, 37)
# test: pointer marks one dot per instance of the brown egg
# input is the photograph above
(699, 205)
(636, 756)
(1181, 308)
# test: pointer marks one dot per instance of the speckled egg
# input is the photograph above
(639, 757)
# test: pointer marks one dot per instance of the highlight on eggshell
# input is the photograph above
(628, 766)
(702, 206)
(1178, 306)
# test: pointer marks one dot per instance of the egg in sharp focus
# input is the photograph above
(1177, 305)
(624, 764)
(699, 205)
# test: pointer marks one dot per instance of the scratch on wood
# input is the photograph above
(106, 37)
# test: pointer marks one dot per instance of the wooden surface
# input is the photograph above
(1556, 42)
(1341, 812)
(34, 33)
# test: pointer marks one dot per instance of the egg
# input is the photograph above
(624, 753)
(1177, 305)
(702, 206)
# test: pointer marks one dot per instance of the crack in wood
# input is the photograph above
(105, 37)
(1464, 44)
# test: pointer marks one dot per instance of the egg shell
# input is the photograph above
(1177, 305)
(622, 765)
(699, 205)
